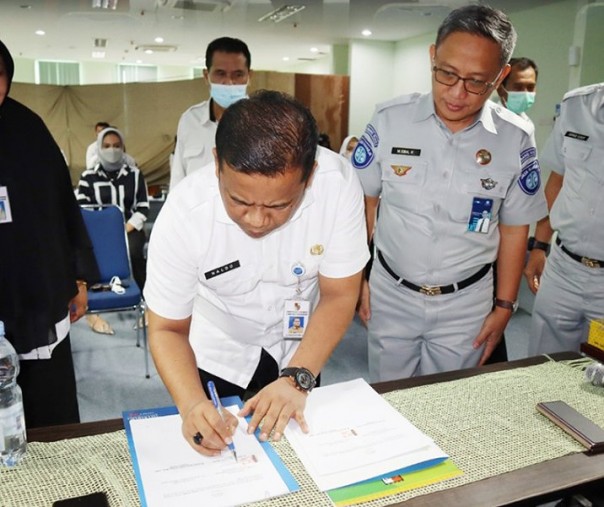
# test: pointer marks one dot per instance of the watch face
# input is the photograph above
(304, 380)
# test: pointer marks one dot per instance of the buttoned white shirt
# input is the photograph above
(201, 264)
(195, 139)
(575, 149)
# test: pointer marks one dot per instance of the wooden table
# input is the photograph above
(528, 486)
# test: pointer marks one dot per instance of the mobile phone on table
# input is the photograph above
(92, 500)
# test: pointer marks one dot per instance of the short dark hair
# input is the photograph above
(484, 21)
(228, 45)
(522, 63)
(102, 124)
(268, 134)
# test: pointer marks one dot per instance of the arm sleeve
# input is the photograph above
(140, 210)
(347, 252)
(172, 276)
(366, 160)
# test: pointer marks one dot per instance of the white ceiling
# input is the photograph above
(71, 27)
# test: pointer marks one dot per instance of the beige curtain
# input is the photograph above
(148, 113)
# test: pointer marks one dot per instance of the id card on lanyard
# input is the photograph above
(5, 213)
(296, 311)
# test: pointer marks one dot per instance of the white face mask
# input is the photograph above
(111, 155)
(226, 95)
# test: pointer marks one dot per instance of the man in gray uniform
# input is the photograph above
(440, 162)
(570, 285)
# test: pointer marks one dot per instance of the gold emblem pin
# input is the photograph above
(483, 157)
(316, 250)
(401, 170)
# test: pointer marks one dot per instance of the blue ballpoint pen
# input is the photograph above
(218, 406)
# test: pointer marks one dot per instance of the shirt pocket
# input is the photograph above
(576, 150)
(403, 182)
(580, 176)
(486, 186)
(234, 281)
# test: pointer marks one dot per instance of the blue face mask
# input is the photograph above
(520, 102)
(226, 95)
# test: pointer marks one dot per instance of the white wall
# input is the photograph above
(371, 81)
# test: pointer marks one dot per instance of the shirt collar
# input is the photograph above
(425, 109)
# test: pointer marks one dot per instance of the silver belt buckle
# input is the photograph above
(590, 263)
(430, 290)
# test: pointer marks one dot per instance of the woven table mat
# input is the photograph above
(488, 425)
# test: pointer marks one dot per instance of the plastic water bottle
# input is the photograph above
(13, 439)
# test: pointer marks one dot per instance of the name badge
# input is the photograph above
(5, 213)
(295, 318)
(413, 152)
(576, 135)
(480, 217)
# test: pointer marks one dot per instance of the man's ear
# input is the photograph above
(216, 162)
(504, 73)
(432, 54)
(312, 174)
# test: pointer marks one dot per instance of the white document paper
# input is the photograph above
(356, 435)
(174, 475)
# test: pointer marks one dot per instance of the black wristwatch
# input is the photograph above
(539, 245)
(303, 378)
(508, 305)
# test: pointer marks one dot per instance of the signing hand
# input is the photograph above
(274, 406)
(216, 434)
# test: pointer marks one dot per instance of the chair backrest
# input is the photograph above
(107, 233)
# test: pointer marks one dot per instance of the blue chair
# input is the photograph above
(107, 231)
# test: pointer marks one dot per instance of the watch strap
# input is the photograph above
(508, 305)
(540, 245)
(293, 372)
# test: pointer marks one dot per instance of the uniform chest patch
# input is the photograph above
(401, 170)
(530, 178)
(363, 154)
(488, 183)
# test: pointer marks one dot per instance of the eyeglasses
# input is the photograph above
(474, 86)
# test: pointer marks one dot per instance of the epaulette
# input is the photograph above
(505, 114)
(397, 101)
(583, 90)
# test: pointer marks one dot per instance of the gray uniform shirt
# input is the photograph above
(575, 149)
(429, 178)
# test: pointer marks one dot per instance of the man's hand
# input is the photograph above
(534, 269)
(216, 434)
(364, 304)
(491, 332)
(274, 406)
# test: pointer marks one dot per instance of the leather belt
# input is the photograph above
(435, 290)
(586, 261)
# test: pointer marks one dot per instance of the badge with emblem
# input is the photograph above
(401, 170)
(488, 183)
(316, 250)
(483, 157)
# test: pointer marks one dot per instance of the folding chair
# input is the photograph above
(107, 231)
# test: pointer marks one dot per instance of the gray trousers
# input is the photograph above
(570, 295)
(413, 334)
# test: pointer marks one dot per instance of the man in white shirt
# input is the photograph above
(227, 73)
(518, 90)
(92, 156)
(273, 230)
